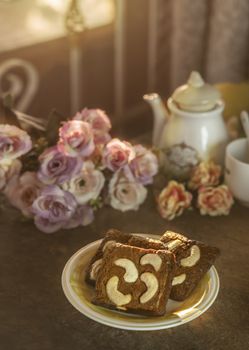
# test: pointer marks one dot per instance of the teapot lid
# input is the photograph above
(196, 95)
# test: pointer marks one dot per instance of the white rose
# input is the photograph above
(125, 192)
(87, 184)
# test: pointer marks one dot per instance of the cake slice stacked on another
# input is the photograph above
(193, 260)
(113, 236)
(135, 279)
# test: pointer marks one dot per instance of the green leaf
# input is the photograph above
(96, 203)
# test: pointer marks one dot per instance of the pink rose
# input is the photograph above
(117, 154)
(8, 171)
(205, 174)
(99, 122)
(14, 142)
(215, 201)
(76, 139)
(125, 192)
(22, 191)
(145, 165)
(173, 200)
(87, 185)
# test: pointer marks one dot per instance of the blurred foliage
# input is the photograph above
(96, 203)
(47, 139)
(41, 139)
(55, 120)
(30, 160)
(7, 116)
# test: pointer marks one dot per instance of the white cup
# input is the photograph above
(237, 170)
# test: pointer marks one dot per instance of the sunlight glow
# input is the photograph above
(43, 20)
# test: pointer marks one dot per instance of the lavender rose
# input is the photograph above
(53, 209)
(14, 142)
(117, 154)
(9, 171)
(83, 216)
(99, 122)
(56, 167)
(22, 192)
(76, 139)
(145, 165)
(87, 185)
(47, 226)
(125, 192)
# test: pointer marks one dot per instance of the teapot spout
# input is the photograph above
(160, 114)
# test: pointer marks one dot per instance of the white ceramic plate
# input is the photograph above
(79, 294)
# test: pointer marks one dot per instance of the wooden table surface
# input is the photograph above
(35, 314)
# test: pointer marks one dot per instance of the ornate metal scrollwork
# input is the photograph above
(22, 86)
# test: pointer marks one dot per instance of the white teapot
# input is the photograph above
(195, 129)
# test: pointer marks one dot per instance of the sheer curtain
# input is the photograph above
(211, 36)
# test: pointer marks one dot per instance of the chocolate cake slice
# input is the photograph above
(145, 242)
(135, 279)
(113, 236)
(193, 260)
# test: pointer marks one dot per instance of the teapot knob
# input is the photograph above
(195, 80)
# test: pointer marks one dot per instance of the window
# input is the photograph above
(27, 22)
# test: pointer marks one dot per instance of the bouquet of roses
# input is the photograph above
(62, 182)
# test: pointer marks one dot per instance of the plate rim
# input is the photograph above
(84, 309)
